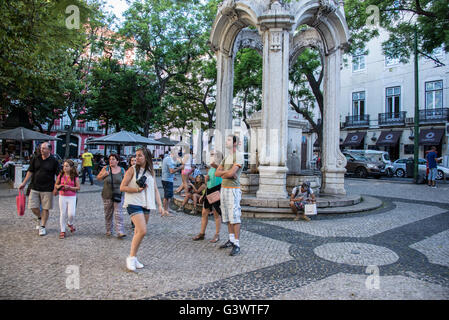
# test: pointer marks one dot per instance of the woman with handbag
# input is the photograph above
(67, 184)
(141, 195)
(112, 176)
(211, 200)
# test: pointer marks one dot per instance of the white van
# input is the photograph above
(375, 155)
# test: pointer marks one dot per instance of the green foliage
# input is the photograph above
(248, 81)
(399, 18)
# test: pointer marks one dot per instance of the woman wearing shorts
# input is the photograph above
(141, 195)
(213, 185)
(187, 170)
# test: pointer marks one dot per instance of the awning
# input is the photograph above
(388, 138)
(430, 136)
(354, 139)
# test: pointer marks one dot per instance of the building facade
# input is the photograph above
(378, 103)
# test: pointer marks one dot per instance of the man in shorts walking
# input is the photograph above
(231, 194)
(42, 171)
(168, 171)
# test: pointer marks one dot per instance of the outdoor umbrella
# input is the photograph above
(124, 138)
(167, 142)
(23, 134)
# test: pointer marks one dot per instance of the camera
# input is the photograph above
(142, 181)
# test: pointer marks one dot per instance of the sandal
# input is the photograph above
(200, 236)
(215, 239)
(71, 227)
(61, 235)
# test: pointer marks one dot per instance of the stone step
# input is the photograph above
(364, 204)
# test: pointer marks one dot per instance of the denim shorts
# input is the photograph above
(433, 174)
(168, 189)
(133, 210)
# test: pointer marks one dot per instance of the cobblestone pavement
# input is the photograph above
(399, 251)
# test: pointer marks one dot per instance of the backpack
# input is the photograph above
(298, 190)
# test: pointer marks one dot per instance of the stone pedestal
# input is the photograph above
(272, 182)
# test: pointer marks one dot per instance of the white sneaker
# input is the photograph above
(138, 264)
(131, 263)
(42, 231)
(38, 225)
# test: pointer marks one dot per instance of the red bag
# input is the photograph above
(20, 203)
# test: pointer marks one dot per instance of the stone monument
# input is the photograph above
(275, 23)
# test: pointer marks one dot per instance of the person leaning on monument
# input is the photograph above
(300, 196)
(42, 171)
(230, 193)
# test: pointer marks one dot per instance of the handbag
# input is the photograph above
(116, 197)
(310, 209)
(213, 197)
(20, 203)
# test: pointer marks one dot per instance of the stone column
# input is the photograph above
(334, 162)
(225, 87)
(272, 140)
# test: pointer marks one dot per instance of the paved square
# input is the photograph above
(399, 251)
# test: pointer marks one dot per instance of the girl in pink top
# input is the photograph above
(67, 184)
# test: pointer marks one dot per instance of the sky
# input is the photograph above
(117, 7)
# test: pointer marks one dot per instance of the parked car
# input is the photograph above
(375, 156)
(399, 168)
(363, 167)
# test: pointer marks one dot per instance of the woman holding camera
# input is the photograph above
(141, 195)
(112, 176)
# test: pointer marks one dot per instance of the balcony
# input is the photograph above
(357, 121)
(438, 115)
(63, 126)
(392, 119)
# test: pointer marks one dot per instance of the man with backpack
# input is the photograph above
(298, 199)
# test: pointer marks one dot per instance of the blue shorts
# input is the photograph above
(433, 174)
(133, 210)
(168, 189)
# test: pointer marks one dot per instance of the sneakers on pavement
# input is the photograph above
(138, 264)
(131, 263)
(226, 245)
(42, 231)
(235, 250)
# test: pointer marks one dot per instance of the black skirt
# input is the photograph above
(215, 205)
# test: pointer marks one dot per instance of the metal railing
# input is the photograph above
(65, 125)
(357, 121)
(437, 115)
(392, 118)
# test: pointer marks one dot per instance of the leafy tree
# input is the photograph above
(169, 36)
(306, 77)
(400, 18)
(248, 81)
(34, 41)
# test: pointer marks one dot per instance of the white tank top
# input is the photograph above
(146, 198)
(188, 162)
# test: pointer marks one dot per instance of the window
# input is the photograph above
(391, 61)
(409, 149)
(358, 62)
(434, 94)
(393, 103)
(358, 103)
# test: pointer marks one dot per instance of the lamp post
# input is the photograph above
(416, 134)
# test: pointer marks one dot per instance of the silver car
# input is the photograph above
(399, 168)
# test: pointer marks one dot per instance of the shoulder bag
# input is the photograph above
(116, 196)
